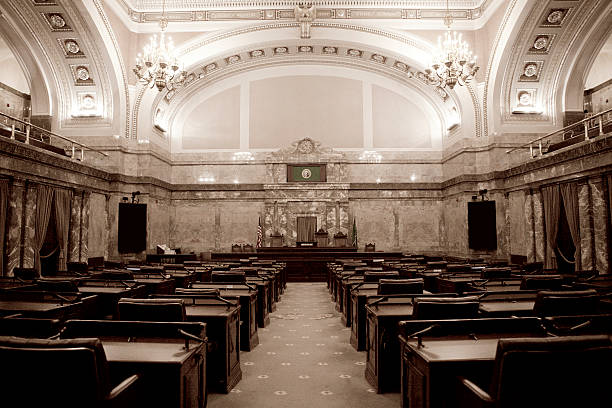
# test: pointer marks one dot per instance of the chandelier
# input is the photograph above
(453, 61)
(157, 64)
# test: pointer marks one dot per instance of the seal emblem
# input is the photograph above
(306, 173)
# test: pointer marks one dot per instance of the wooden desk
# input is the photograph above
(41, 310)
(264, 301)
(382, 346)
(249, 338)
(156, 286)
(109, 293)
(223, 329)
(172, 376)
(358, 318)
(507, 308)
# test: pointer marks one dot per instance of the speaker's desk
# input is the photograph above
(174, 376)
(247, 296)
(223, 329)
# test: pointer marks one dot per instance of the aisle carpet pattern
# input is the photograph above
(304, 359)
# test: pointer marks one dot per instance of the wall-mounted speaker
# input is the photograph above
(482, 231)
(132, 227)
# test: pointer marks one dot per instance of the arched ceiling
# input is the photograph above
(78, 55)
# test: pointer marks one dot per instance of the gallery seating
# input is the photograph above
(537, 372)
(152, 310)
(61, 373)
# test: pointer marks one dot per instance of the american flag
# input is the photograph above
(259, 234)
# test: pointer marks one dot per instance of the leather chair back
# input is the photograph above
(152, 310)
(234, 277)
(566, 303)
(59, 373)
(541, 282)
(557, 371)
(433, 308)
(370, 277)
(400, 286)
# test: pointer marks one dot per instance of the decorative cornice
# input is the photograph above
(236, 10)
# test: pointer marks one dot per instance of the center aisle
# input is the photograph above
(304, 359)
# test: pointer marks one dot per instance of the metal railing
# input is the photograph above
(590, 127)
(8, 124)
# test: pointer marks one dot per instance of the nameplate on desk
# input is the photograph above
(307, 244)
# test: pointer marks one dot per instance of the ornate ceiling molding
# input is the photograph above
(198, 11)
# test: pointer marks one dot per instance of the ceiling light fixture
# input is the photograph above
(157, 65)
(453, 61)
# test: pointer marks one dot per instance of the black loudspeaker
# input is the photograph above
(132, 227)
(482, 232)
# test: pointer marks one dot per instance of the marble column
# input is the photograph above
(337, 213)
(329, 219)
(74, 240)
(586, 232)
(507, 228)
(530, 231)
(84, 234)
(286, 224)
(538, 218)
(30, 226)
(15, 219)
(600, 219)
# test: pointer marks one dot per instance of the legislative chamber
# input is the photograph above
(305, 203)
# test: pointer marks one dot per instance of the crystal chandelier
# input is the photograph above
(157, 64)
(453, 61)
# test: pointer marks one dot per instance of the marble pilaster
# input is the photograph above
(600, 225)
(74, 239)
(586, 233)
(505, 237)
(396, 228)
(538, 218)
(30, 226)
(15, 218)
(84, 235)
(217, 228)
(330, 216)
(530, 233)
(107, 230)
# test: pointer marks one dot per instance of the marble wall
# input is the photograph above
(96, 239)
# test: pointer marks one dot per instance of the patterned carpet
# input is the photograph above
(304, 359)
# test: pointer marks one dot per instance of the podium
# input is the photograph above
(321, 237)
(340, 239)
(276, 240)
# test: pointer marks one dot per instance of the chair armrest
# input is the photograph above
(118, 394)
(471, 395)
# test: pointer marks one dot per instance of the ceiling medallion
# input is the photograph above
(330, 50)
(305, 48)
(354, 53)
(281, 50)
(233, 59)
(256, 53)
(82, 73)
(57, 21)
(531, 71)
(555, 17)
(72, 47)
(379, 58)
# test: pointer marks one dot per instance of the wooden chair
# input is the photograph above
(25, 273)
(60, 373)
(432, 308)
(57, 285)
(152, 310)
(538, 372)
(247, 248)
(370, 247)
(236, 248)
(77, 267)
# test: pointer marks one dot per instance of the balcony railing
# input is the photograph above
(585, 129)
(20, 130)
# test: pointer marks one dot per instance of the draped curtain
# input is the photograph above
(3, 220)
(62, 221)
(569, 194)
(306, 227)
(43, 213)
(552, 209)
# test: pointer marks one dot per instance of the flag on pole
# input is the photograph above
(259, 234)
(354, 234)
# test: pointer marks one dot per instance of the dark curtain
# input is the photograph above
(306, 227)
(552, 209)
(62, 221)
(569, 193)
(43, 212)
(3, 220)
